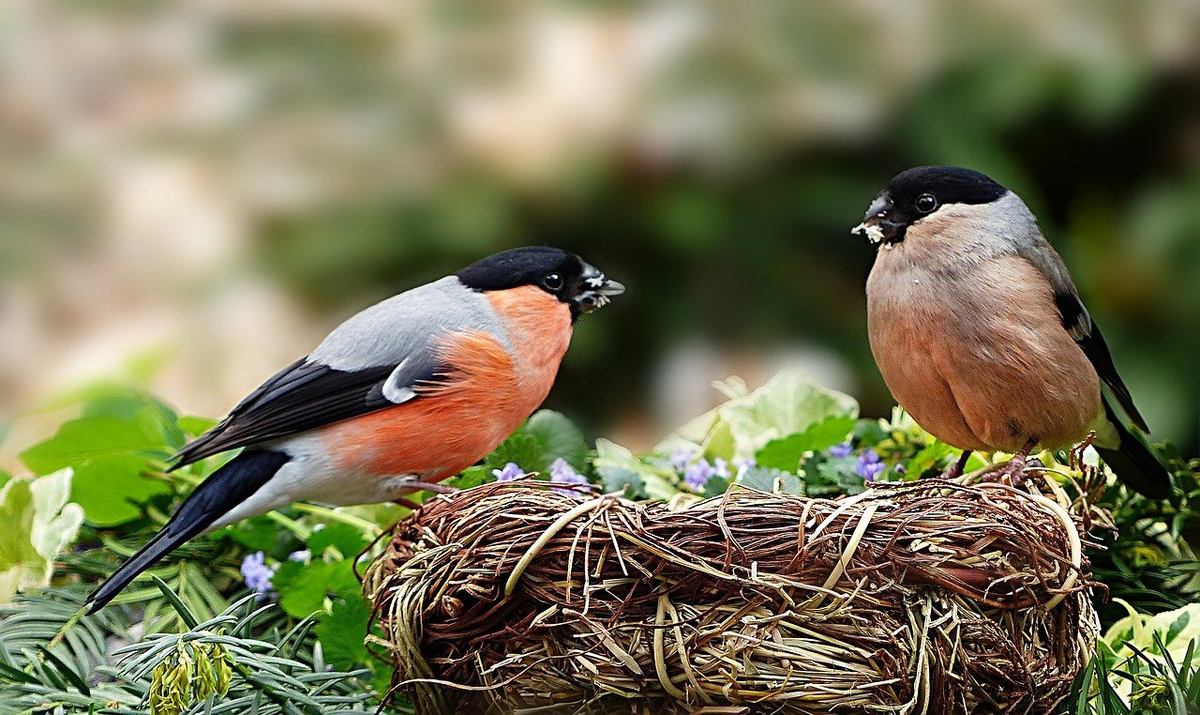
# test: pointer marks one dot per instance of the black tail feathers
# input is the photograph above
(1134, 463)
(216, 495)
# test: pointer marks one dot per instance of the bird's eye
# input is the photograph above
(926, 203)
(553, 281)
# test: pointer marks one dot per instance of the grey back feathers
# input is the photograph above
(401, 328)
(1011, 222)
(372, 361)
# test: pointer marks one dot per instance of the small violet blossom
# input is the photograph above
(561, 472)
(511, 471)
(744, 465)
(841, 451)
(698, 473)
(301, 555)
(682, 457)
(257, 574)
(869, 466)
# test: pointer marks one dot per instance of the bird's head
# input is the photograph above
(927, 195)
(563, 275)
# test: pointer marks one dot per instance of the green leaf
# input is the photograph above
(303, 587)
(471, 477)
(110, 487)
(91, 437)
(545, 437)
(194, 426)
(110, 451)
(559, 438)
(789, 403)
(343, 632)
(257, 534)
(36, 524)
(348, 540)
(520, 448)
(772, 480)
(786, 453)
(618, 468)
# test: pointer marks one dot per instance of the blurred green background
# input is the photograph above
(195, 192)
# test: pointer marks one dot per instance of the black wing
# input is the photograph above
(305, 396)
(1087, 334)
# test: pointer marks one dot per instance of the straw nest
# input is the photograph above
(924, 597)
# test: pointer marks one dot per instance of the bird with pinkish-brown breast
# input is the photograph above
(980, 333)
(399, 397)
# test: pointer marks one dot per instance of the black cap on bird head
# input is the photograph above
(564, 275)
(919, 192)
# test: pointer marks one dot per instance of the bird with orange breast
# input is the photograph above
(980, 333)
(399, 397)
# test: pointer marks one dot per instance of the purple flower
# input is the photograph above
(682, 457)
(721, 468)
(561, 472)
(697, 474)
(841, 451)
(511, 471)
(869, 466)
(900, 469)
(301, 555)
(744, 465)
(257, 573)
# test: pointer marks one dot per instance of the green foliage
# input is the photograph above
(542, 439)
(1149, 559)
(790, 403)
(300, 645)
(787, 452)
(619, 470)
(117, 449)
(1149, 665)
(36, 523)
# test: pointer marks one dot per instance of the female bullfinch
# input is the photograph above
(402, 395)
(980, 333)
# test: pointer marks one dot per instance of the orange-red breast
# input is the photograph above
(400, 396)
(980, 333)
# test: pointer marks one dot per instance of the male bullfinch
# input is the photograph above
(980, 333)
(402, 395)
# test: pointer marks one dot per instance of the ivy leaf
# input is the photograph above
(303, 588)
(109, 488)
(545, 437)
(36, 524)
(343, 632)
(348, 540)
(786, 453)
(257, 534)
(558, 438)
(520, 448)
(619, 469)
(772, 480)
(789, 403)
(194, 426)
(471, 477)
(111, 452)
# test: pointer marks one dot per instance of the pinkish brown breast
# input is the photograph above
(453, 425)
(979, 356)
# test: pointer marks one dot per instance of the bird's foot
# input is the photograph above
(435, 487)
(956, 471)
(407, 503)
(1013, 472)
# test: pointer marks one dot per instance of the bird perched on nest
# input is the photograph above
(400, 396)
(980, 333)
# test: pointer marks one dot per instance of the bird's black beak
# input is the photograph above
(880, 225)
(597, 292)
